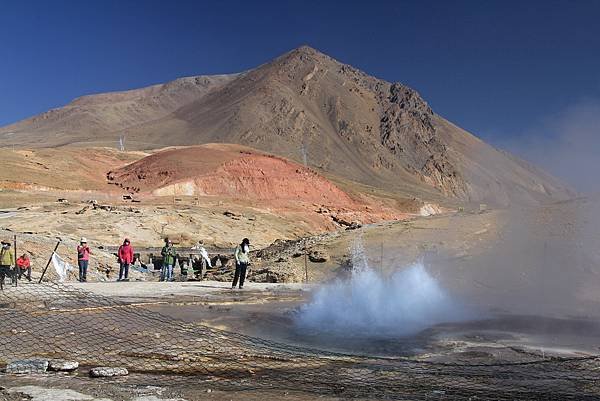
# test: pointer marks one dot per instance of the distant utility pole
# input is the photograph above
(304, 154)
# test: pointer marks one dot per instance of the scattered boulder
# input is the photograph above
(341, 221)
(222, 261)
(104, 371)
(234, 216)
(108, 208)
(268, 276)
(318, 256)
(63, 366)
(429, 209)
(354, 225)
(83, 210)
(27, 366)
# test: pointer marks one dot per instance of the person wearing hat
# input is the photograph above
(242, 260)
(125, 259)
(83, 259)
(168, 254)
(7, 260)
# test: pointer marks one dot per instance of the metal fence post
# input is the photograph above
(15, 274)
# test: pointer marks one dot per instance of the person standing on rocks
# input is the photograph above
(83, 259)
(7, 261)
(202, 262)
(242, 260)
(24, 266)
(125, 254)
(168, 254)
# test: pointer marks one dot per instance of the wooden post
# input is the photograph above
(49, 260)
(306, 264)
(381, 260)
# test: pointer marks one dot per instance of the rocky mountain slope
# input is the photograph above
(311, 108)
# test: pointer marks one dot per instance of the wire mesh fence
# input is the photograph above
(56, 321)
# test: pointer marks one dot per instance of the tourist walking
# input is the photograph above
(7, 261)
(242, 260)
(125, 254)
(168, 254)
(83, 259)
(24, 266)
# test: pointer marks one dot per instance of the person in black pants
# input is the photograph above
(7, 261)
(242, 260)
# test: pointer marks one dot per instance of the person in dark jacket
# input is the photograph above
(242, 260)
(125, 254)
(168, 254)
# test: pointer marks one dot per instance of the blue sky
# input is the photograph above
(500, 69)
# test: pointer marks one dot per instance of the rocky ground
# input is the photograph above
(134, 388)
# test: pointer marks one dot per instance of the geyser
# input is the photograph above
(371, 304)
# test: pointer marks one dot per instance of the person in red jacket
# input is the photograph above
(24, 265)
(83, 259)
(125, 259)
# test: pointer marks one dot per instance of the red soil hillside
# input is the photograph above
(233, 171)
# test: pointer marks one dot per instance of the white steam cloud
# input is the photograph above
(369, 304)
(566, 145)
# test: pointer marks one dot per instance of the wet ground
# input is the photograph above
(270, 311)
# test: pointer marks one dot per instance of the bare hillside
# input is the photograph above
(311, 108)
(99, 120)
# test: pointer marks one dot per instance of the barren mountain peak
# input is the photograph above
(308, 107)
(308, 50)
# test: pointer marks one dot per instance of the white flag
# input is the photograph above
(61, 267)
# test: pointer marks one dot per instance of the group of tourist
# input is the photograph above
(22, 265)
(126, 258)
(125, 254)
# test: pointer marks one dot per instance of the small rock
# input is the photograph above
(63, 366)
(341, 221)
(104, 371)
(318, 256)
(27, 366)
(354, 225)
(231, 214)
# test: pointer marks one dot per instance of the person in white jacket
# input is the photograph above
(203, 256)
